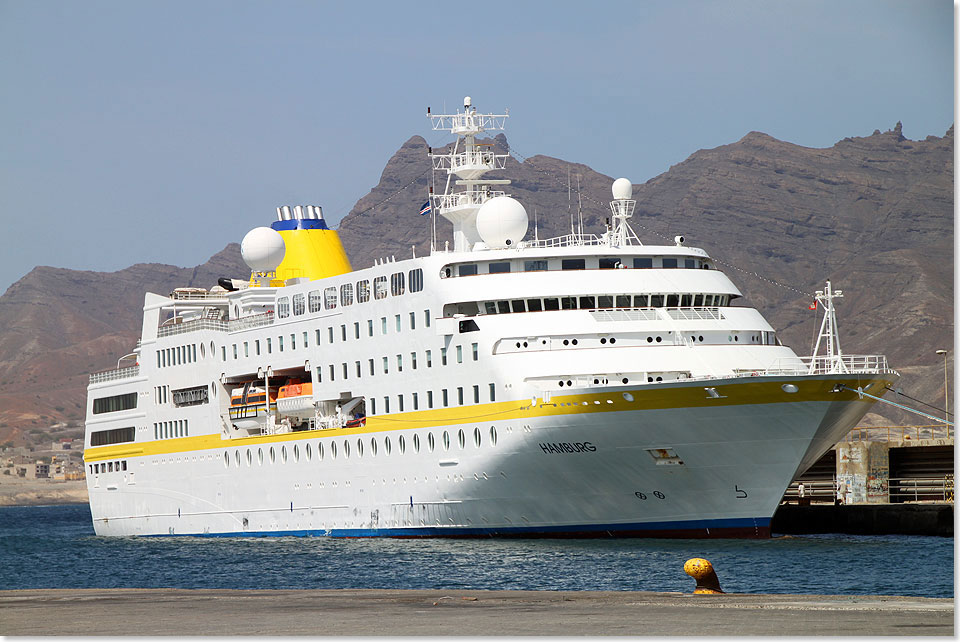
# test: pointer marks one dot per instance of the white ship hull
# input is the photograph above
(555, 470)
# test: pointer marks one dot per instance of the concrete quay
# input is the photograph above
(135, 612)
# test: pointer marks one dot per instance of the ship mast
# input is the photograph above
(465, 167)
(829, 333)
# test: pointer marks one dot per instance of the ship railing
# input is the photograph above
(482, 158)
(197, 296)
(465, 199)
(116, 373)
(845, 364)
(900, 433)
(568, 240)
(638, 314)
(231, 325)
(694, 314)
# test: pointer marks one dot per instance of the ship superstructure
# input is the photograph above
(587, 385)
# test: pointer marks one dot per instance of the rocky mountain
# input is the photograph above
(874, 214)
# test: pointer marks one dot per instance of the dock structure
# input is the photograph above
(882, 479)
(452, 612)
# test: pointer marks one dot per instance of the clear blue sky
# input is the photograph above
(159, 131)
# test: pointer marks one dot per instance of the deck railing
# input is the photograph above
(117, 373)
(232, 325)
(848, 363)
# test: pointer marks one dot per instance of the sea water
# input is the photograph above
(55, 547)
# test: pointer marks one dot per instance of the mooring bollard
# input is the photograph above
(702, 571)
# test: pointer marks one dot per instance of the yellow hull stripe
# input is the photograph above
(736, 394)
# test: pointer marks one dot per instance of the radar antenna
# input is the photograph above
(621, 208)
(828, 333)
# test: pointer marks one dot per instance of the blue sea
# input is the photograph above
(55, 547)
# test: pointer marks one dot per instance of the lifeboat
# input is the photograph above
(296, 399)
(249, 401)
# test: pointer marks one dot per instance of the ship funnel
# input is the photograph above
(312, 250)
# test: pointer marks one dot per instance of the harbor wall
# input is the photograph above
(865, 519)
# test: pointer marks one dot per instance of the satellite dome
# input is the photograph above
(502, 222)
(622, 189)
(262, 249)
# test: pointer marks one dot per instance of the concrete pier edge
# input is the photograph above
(456, 612)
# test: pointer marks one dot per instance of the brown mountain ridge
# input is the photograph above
(874, 214)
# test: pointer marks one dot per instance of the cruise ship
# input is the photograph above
(503, 385)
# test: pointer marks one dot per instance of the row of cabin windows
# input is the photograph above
(602, 263)
(108, 467)
(385, 361)
(464, 396)
(115, 403)
(348, 293)
(254, 348)
(171, 429)
(606, 301)
(359, 446)
(178, 355)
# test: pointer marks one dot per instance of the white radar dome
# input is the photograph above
(622, 189)
(502, 222)
(263, 249)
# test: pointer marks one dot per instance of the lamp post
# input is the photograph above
(946, 391)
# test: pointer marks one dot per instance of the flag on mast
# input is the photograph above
(812, 306)
(425, 209)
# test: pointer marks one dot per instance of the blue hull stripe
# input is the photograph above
(693, 528)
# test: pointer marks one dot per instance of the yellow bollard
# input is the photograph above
(702, 571)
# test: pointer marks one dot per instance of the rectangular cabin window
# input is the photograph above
(397, 283)
(459, 396)
(399, 363)
(467, 270)
(476, 394)
(298, 305)
(346, 294)
(673, 300)
(269, 345)
(609, 263)
(356, 329)
(370, 361)
(383, 325)
(344, 368)
(363, 291)
(293, 341)
(280, 343)
(413, 360)
(416, 280)
(314, 300)
(459, 354)
(685, 301)
(399, 403)
(413, 320)
(667, 264)
(623, 301)
(534, 305)
(386, 365)
(445, 400)
(519, 305)
(159, 359)
(235, 355)
(357, 364)
(605, 301)
(690, 264)
(573, 264)
(373, 406)
(568, 303)
(656, 300)
(380, 287)
(642, 263)
(333, 373)
(476, 350)
(330, 298)
(397, 319)
(370, 327)
(386, 405)
(223, 352)
(698, 300)
(246, 348)
(319, 374)
(503, 307)
(551, 304)
(429, 398)
(641, 301)
(316, 336)
(429, 359)
(256, 346)
(416, 401)
(587, 303)
(115, 404)
(112, 436)
(539, 265)
(499, 268)
(343, 332)
(426, 318)
(329, 334)
(443, 356)
(493, 395)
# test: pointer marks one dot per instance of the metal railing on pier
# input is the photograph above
(921, 489)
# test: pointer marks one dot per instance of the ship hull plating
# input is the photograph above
(593, 467)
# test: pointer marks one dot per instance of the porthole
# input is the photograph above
(613, 340)
(649, 339)
(789, 388)
(659, 339)
(628, 396)
(569, 383)
(524, 344)
(236, 458)
(566, 342)
(273, 455)
(596, 381)
(260, 456)
(416, 443)
(649, 379)
(493, 435)
(402, 443)
(561, 384)
(518, 344)
(574, 342)
(736, 337)
(296, 453)
(461, 439)
(308, 451)
(430, 443)
(603, 340)
(346, 448)
(226, 459)
(659, 379)
(386, 445)
(476, 437)
(701, 338)
(249, 458)
(624, 380)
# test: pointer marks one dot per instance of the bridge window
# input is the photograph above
(314, 300)
(298, 304)
(609, 263)
(346, 294)
(573, 264)
(535, 266)
(642, 263)
(416, 280)
(499, 268)
(467, 270)
(115, 403)
(534, 305)
(551, 304)
(112, 436)
(363, 291)
(673, 300)
(668, 263)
